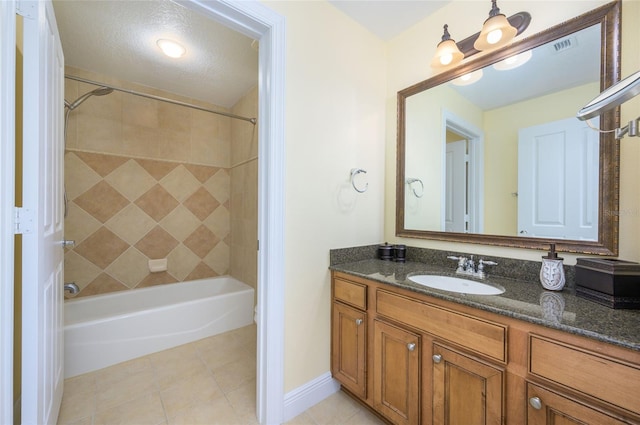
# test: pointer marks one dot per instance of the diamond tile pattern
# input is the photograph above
(201, 203)
(157, 202)
(126, 211)
(102, 201)
(102, 247)
(158, 243)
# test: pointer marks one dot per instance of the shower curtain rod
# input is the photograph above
(162, 99)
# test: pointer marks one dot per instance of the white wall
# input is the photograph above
(409, 56)
(335, 118)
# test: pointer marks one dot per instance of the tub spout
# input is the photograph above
(72, 288)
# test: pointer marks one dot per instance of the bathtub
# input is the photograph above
(103, 330)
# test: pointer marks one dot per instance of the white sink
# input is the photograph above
(455, 284)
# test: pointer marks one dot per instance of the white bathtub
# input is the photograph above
(103, 330)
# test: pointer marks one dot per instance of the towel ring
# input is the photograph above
(412, 180)
(354, 173)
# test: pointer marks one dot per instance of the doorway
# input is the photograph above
(463, 169)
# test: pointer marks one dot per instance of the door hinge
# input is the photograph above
(22, 221)
(27, 8)
(258, 245)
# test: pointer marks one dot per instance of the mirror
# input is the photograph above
(508, 163)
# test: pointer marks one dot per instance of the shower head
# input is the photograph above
(100, 91)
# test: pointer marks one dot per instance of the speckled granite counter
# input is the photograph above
(524, 300)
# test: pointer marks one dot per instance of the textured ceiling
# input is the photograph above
(118, 39)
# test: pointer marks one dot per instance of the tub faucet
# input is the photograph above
(72, 288)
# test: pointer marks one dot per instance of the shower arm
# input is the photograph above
(162, 99)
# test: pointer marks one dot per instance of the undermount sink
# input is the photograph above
(456, 284)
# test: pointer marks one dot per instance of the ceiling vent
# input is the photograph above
(564, 44)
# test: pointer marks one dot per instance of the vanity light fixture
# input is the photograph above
(513, 61)
(171, 48)
(496, 31)
(450, 53)
(447, 53)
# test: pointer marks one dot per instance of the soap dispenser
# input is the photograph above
(552, 271)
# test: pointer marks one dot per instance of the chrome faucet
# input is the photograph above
(72, 288)
(467, 266)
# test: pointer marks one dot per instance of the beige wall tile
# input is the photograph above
(78, 176)
(79, 270)
(79, 224)
(180, 183)
(130, 268)
(130, 224)
(131, 180)
(180, 222)
(181, 262)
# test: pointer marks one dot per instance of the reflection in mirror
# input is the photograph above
(501, 155)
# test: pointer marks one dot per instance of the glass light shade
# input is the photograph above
(447, 54)
(496, 32)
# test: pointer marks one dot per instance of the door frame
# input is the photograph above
(7, 203)
(259, 22)
(475, 136)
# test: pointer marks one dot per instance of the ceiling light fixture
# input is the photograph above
(496, 31)
(513, 61)
(447, 52)
(468, 79)
(171, 48)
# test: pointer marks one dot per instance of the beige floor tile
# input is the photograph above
(243, 401)
(234, 374)
(301, 419)
(364, 417)
(177, 364)
(187, 391)
(84, 421)
(211, 412)
(145, 410)
(108, 376)
(125, 388)
(336, 409)
(78, 401)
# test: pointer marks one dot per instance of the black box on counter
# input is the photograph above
(608, 281)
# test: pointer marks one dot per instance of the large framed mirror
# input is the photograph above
(491, 152)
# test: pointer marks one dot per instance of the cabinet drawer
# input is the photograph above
(607, 379)
(350, 293)
(479, 335)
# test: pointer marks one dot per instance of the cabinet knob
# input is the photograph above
(437, 358)
(535, 403)
(411, 346)
(358, 322)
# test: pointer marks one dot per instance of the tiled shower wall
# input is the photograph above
(145, 180)
(244, 192)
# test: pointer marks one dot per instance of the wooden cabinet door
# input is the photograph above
(348, 356)
(466, 391)
(548, 408)
(396, 373)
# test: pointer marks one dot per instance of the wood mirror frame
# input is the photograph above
(608, 16)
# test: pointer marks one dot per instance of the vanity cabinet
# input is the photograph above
(465, 389)
(417, 359)
(349, 336)
(396, 373)
(549, 408)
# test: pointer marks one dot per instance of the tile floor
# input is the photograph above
(209, 382)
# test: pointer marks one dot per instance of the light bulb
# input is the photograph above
(494, 36)
(446, 59)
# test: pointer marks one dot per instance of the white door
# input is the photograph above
(42, 255)
(558, 180)
(455, 214)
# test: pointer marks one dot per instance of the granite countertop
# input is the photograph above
(522, 300)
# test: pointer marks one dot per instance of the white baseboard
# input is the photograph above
(309, 394)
